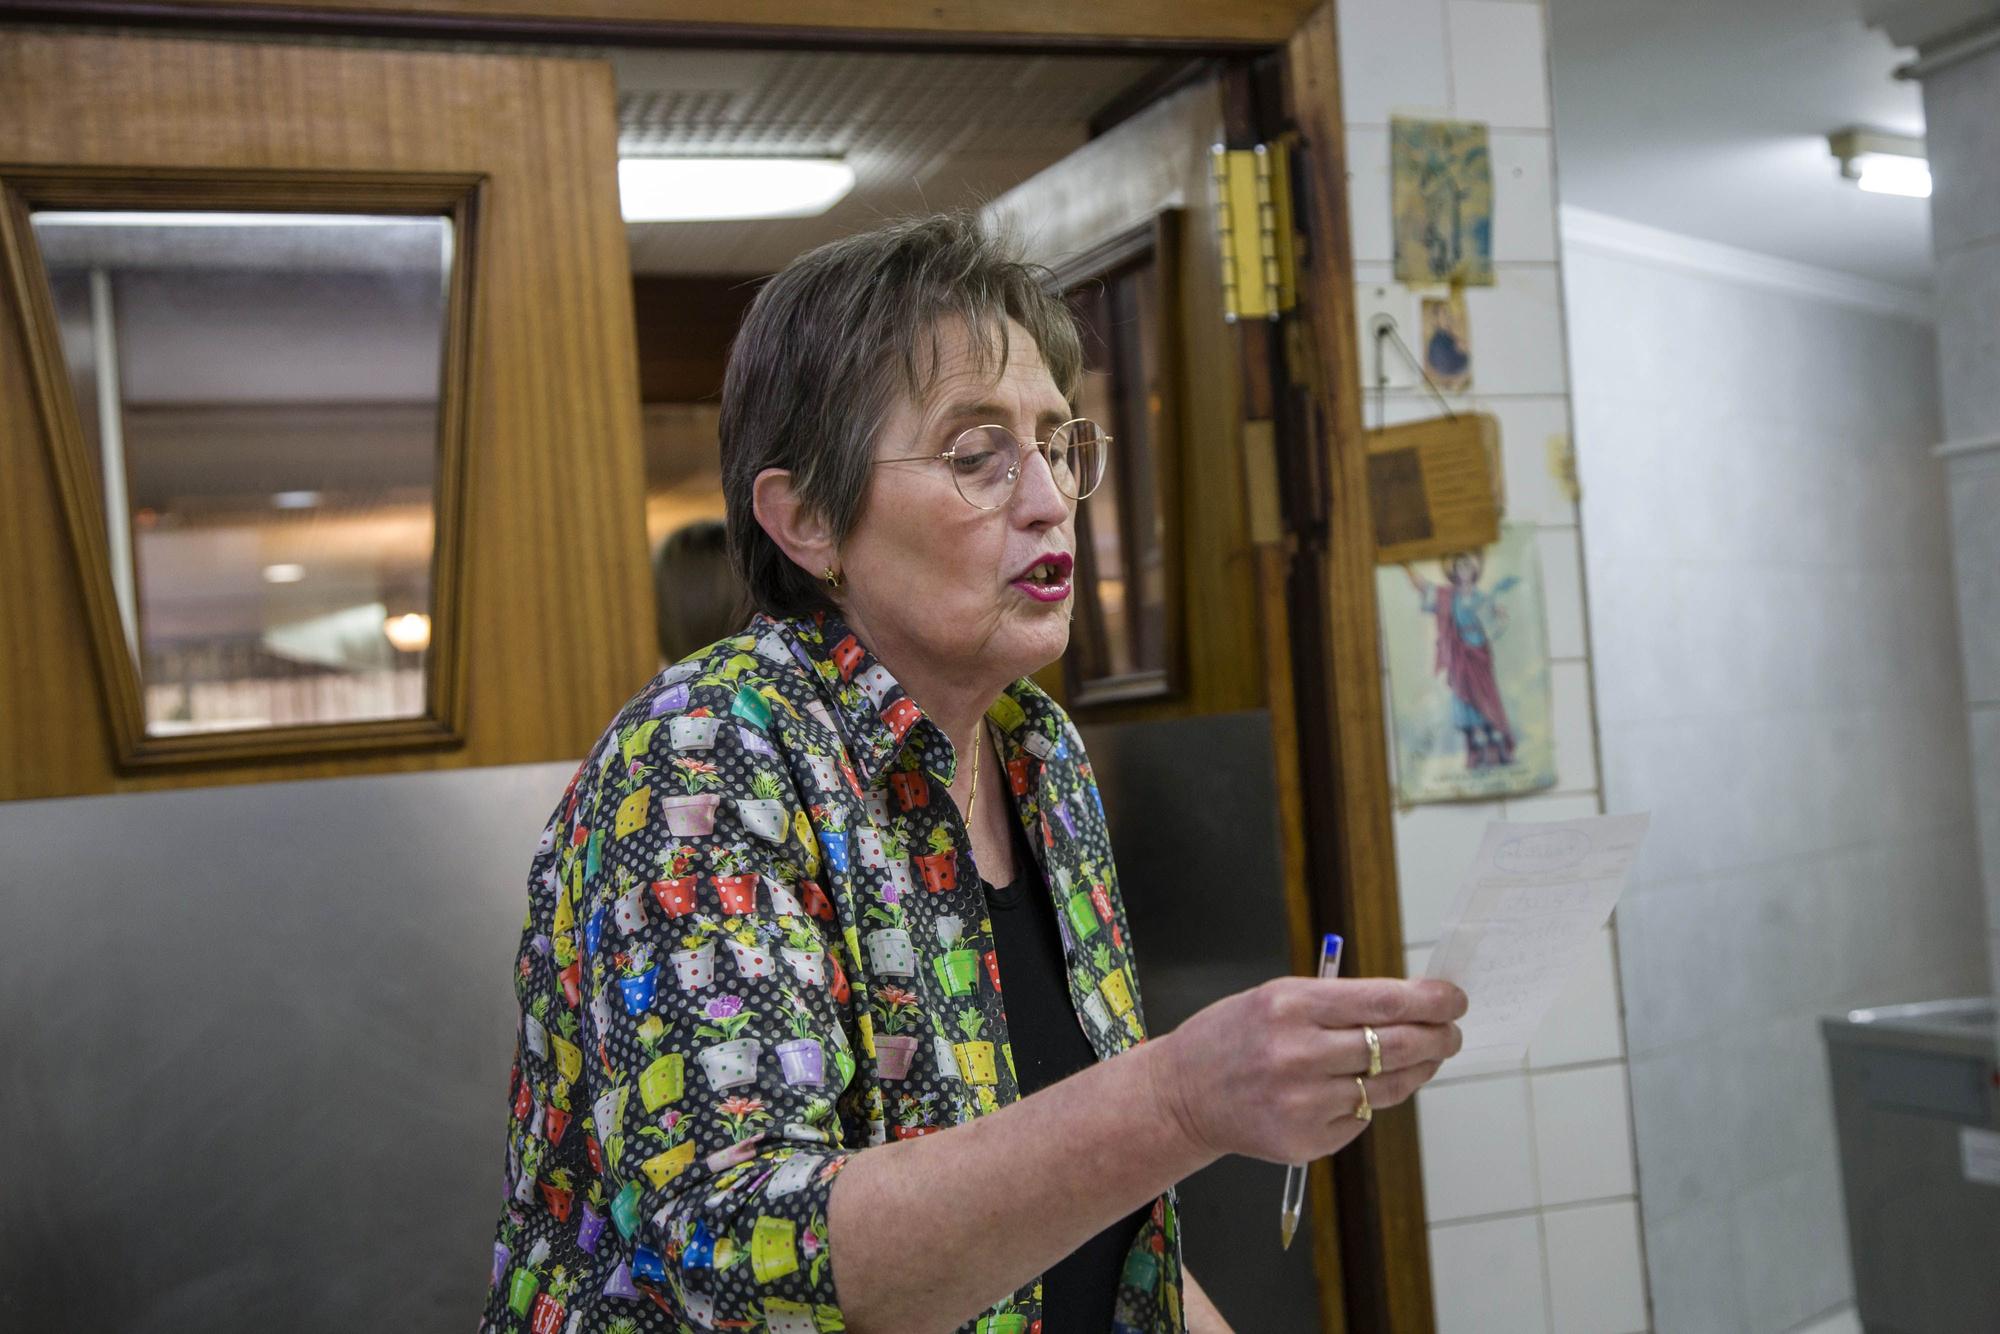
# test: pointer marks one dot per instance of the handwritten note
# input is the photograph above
(1526, 915)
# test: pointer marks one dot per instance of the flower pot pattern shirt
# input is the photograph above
(756, 944)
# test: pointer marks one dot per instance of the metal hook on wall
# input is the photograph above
(1382, 329)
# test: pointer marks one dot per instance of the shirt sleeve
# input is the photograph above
(717, 1016)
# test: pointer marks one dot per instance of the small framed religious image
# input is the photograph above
(1467, 643)
(1447, 347)
(1441, 201)
(1125, 640)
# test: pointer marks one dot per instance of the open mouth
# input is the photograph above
(1047, 579)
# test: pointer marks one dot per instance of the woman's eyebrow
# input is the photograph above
(984, 412)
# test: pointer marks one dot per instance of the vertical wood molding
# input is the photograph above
(1385, 1248)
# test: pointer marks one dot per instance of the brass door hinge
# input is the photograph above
(1253, 227)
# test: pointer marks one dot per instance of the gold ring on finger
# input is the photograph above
(1364, 1112)
(1374, 1051)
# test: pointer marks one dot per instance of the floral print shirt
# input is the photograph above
(756, 944)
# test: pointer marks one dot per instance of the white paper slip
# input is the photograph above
(1526, 916)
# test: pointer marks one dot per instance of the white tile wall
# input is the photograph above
(1524, 228)
(1392, 60)
(1583, 1134)
(1584, 1026)
(1488, 1277)
(1505, 1151)
(1562, 582)
(1516, 324)
(1372, 232)
(1434, 845)
(1596, 1276)
(1551, 806)
(1478, 1148)
(1576, 729)
(1498, 70)
(1526, 426)
(1376, 292)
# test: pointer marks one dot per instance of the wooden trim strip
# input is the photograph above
(1322, 1201)
(1386, 1256)
(1193, 25)
(83, 519)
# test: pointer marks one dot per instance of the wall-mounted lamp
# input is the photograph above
(1888, 164)
(701, 189)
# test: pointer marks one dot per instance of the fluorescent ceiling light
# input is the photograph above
(284, 574)
(695, 189)
(1885, 164)
(295, 500)
(1882, 174)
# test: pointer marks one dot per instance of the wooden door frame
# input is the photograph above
(1317, 579)
(1205, 25)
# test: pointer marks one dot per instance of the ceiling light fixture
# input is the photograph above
(1887, 164)
(705, 189)
(410, 632)
(284, 574)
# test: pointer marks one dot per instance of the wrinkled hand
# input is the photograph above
(1269, 1072)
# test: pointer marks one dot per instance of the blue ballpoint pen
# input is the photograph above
(1295, 1175)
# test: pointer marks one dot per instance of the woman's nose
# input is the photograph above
(1036, 494)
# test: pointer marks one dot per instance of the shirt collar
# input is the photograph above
(875, 717)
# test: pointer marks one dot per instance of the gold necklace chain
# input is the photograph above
(978, 745)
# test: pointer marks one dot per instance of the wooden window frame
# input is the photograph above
(1161, 239)
(453, 196)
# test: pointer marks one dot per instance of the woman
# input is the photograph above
(765, 1074)
(696, 596)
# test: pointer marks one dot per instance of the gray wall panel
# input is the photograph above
(256, 1064)
(255, 1073)
(1194, 828)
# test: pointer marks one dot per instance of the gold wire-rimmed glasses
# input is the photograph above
(985, 462)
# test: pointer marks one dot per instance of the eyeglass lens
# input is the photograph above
(986, 461)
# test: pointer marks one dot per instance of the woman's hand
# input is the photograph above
(1269, 1073)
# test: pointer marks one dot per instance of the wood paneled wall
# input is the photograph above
(686, 325)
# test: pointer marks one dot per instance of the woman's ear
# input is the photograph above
(796, 527)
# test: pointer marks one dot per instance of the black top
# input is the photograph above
(1048, 1043)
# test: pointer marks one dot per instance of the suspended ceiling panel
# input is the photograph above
(921, 132)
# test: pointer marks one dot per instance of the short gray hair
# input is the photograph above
(826, 347)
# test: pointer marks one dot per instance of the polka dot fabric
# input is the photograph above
(756, 945)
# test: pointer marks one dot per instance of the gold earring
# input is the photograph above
(832, 577)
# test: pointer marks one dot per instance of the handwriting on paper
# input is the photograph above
(1527, 913)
